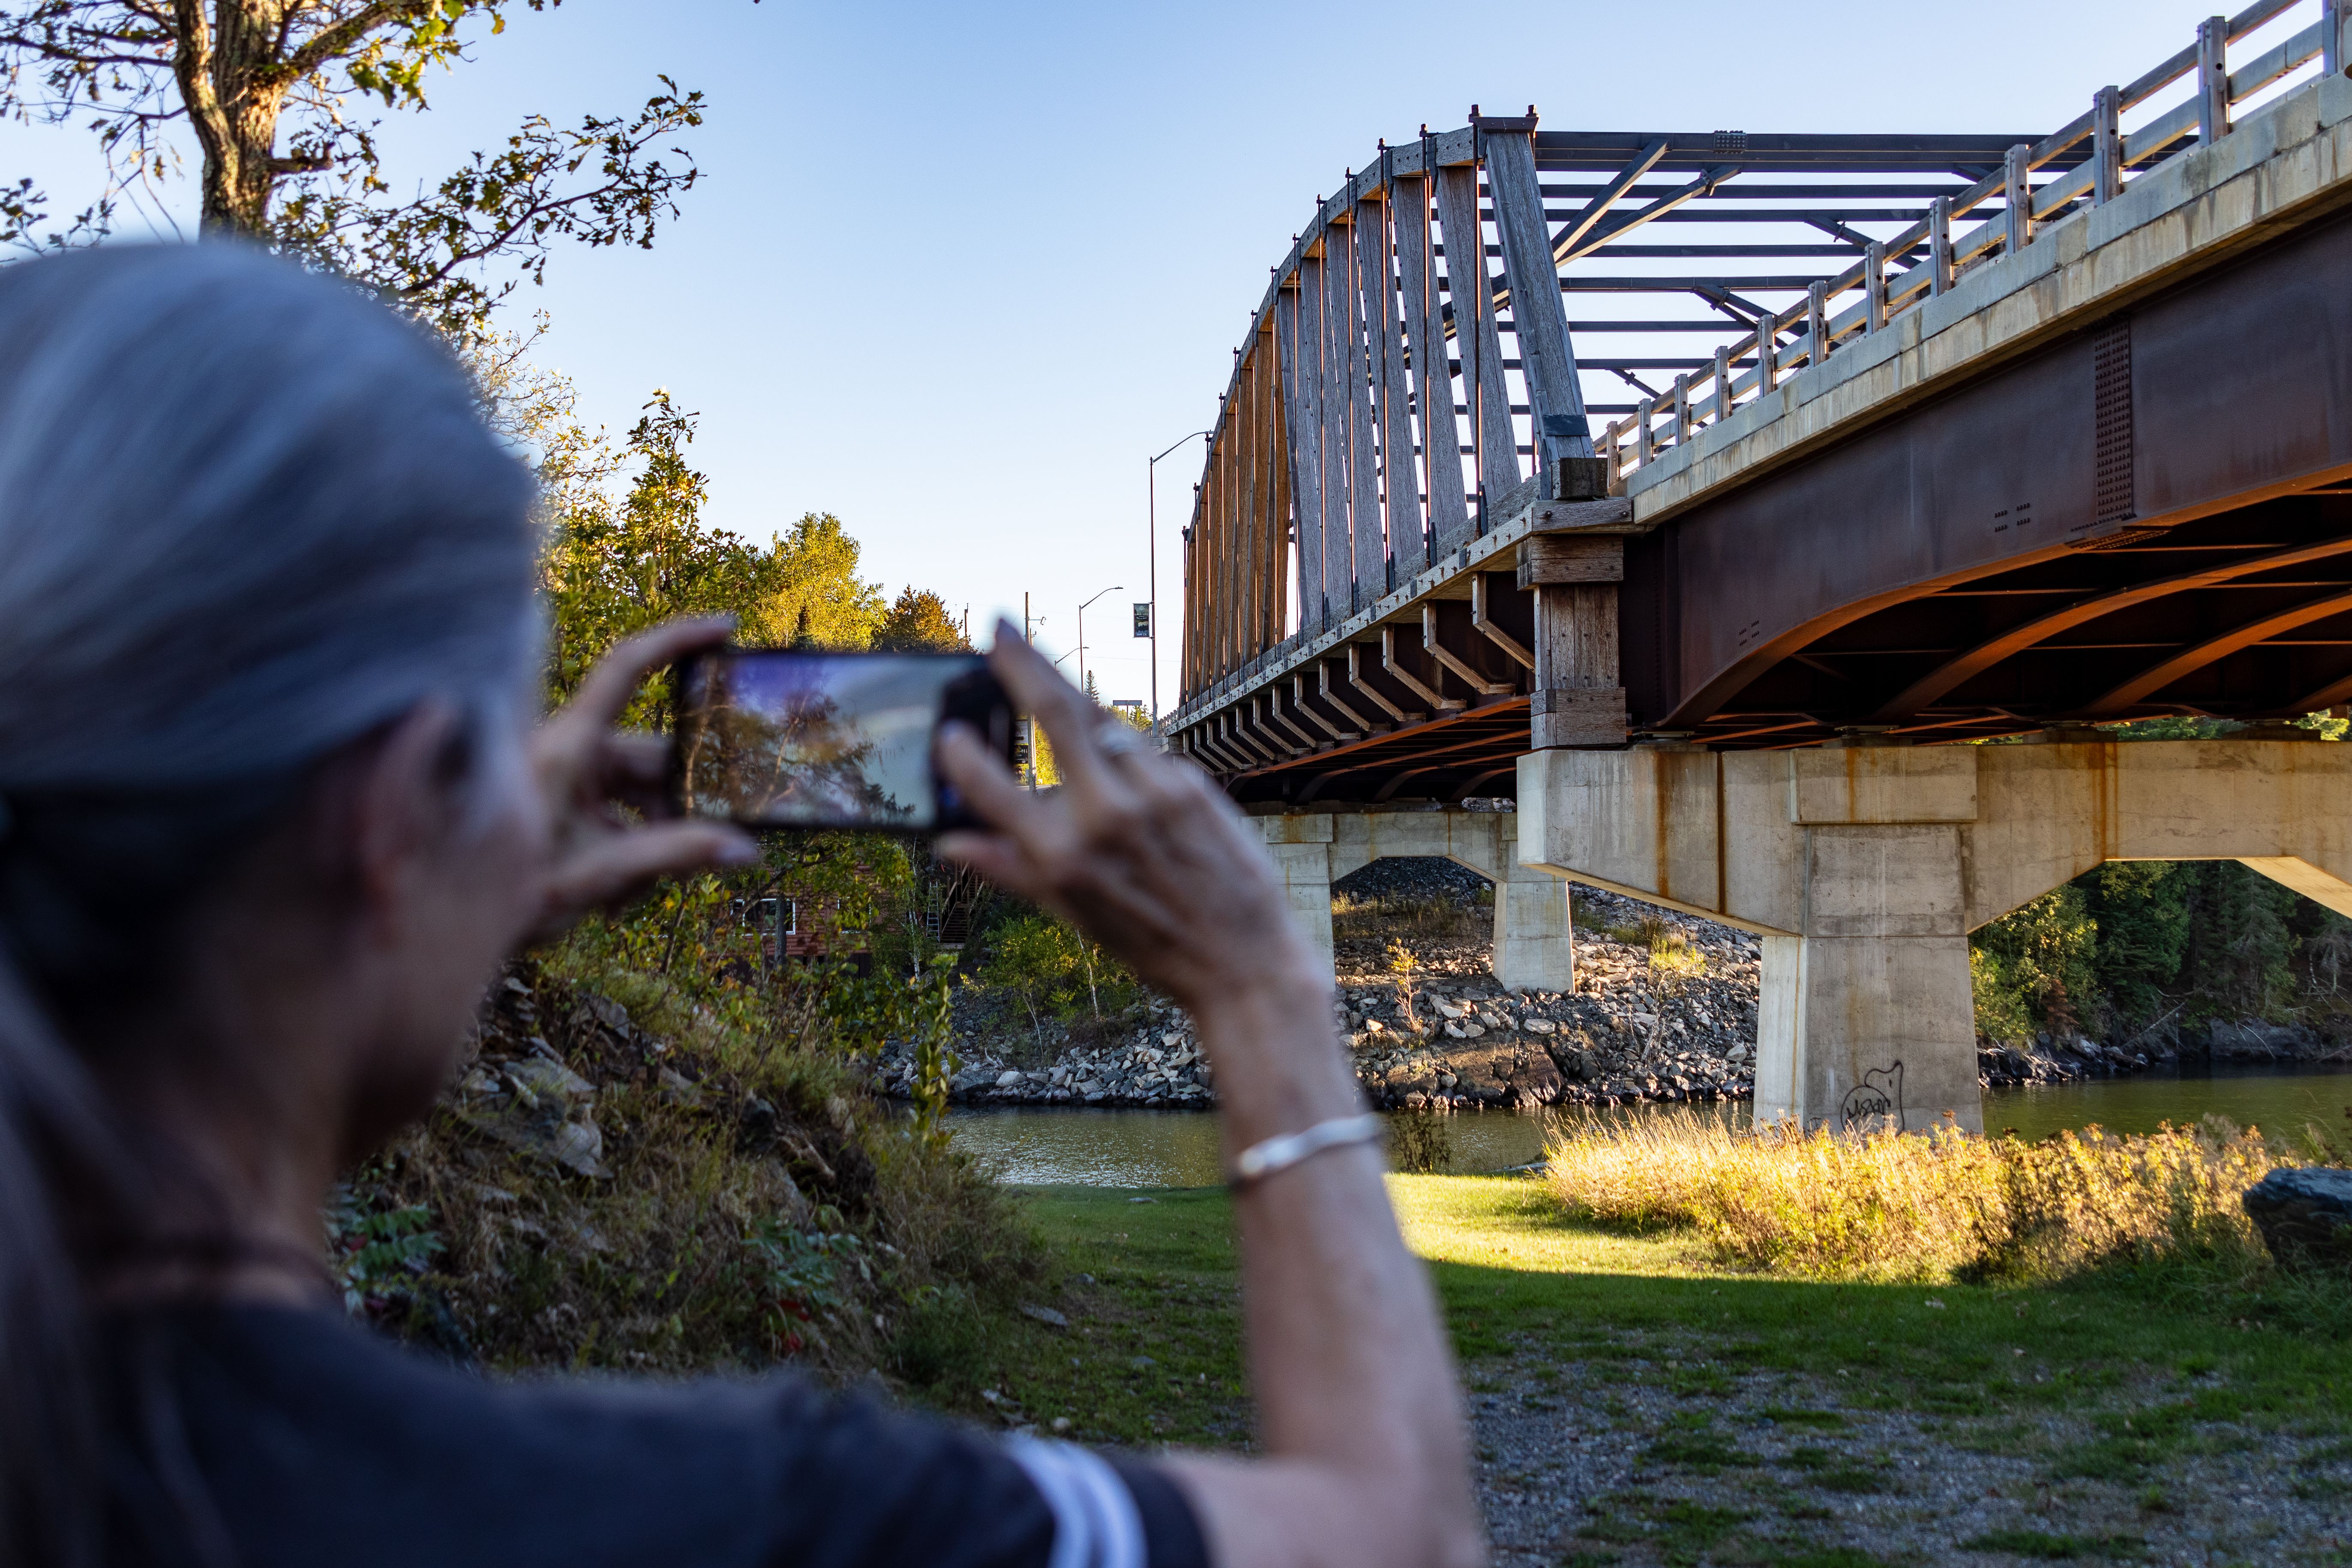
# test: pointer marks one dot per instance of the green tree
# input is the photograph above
(274, 94)
(2141, 908)
(917, 622)
(2038, 962)
(613, 567)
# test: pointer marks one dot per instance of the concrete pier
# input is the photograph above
(1864, 867)
(1534, 950)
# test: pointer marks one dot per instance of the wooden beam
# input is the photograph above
(1355, 678)
(1436, 650)
(1576, 228)
(1488, 393)
(1449, 512)
(1323, 688)
(1547, 559)
(1306, 743)
(1487, 628)
(1339, 564)
(1555, 398)
(1410, 682)
(1408, 547)
(1366, 264)
(1299, 704)
(1296, 338)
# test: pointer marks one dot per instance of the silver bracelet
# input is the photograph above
(1259, 1160)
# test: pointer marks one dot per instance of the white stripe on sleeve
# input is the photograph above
(1095, 1521)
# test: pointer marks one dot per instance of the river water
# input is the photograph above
(1055, 1145)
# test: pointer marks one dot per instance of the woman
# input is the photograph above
(271, 812)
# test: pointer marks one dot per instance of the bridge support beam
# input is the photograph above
(1579, 696)
(1534, 948)
(1864, 868)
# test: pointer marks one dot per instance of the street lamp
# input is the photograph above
(1114, 588)
(1151, 544)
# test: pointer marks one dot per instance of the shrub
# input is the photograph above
(1906, 1207)
(1055, 971)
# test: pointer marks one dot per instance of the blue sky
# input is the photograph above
(954, 272)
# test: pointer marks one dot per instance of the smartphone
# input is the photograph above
(773, 738)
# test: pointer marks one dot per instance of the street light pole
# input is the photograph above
(1114, 588)
(1151, 546)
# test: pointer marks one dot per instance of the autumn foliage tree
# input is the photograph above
(275, 94)
(616, 563)
(917, 622)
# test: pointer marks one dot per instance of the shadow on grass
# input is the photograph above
(1151, 1354)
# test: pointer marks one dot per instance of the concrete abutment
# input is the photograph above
(1864, 868)
(1534, 950)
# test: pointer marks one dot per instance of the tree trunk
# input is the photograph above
(234, 87)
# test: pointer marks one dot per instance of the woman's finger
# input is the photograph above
(988, 786)
(617, 676)
(609, 869)
(1040, 691)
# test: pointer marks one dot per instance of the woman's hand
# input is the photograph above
(1138, 849)
(587, 770)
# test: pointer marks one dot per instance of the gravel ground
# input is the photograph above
(1666, 1458)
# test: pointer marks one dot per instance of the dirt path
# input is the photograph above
(1675, 1461)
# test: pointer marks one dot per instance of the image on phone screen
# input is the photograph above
(780, 738)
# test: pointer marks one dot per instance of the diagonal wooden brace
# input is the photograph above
(1388, 662)
(1323, 683)
(1355, 678)
(1467, 675)
(1273, 707)
(1492, 633)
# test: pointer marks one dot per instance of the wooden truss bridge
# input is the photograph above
(1545, 438)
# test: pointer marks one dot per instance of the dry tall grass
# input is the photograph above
(1894, 1206)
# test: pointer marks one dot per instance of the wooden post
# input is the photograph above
(1873, 286)
(1476, 336)
(1441, 439)
(2016, 193)
(1299, 429)
(1682, 407)
(1563, 434)
(1939, 246)
(1722, 383)
(1399, 475)
(1817, 323)
(1578, 697)
(2106, 146)
(1339, 563)
(1643, 446)
(1280, 500)
(2334, 17)
(1367, 264)
(2213, 79)
(1318, 436)
(1768, 354)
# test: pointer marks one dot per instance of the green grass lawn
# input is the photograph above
(1152, 1353)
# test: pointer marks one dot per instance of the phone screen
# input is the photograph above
(769, 738)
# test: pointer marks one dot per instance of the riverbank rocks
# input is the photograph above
(1663, 1009)
(2304, 1216)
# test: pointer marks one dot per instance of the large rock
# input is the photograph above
(2305, 1215)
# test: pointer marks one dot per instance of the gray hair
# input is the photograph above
(246, 516)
